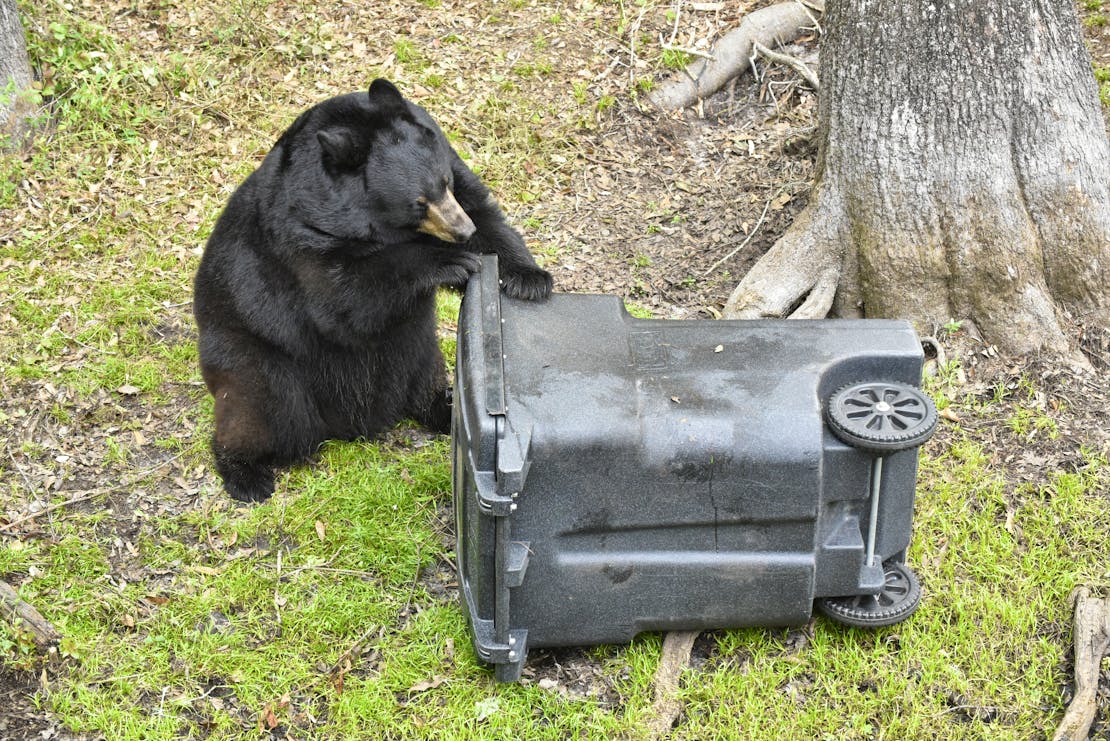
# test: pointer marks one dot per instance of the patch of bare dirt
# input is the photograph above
(21, 719)
(671, 211)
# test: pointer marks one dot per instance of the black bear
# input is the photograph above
(315, 297)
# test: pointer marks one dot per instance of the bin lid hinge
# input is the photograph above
(498, 490)
(509, 656)
(489, 501)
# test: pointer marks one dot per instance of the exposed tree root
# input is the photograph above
(850, 262)
(798, 277)
(702, 78)
(1092, 641)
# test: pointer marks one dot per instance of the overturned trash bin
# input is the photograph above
(615, 475)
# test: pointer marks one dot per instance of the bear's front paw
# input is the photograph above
(530, 284)
(456, 267)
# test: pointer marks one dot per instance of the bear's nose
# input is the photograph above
(446, 220)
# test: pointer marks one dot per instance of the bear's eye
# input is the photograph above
(422, 204)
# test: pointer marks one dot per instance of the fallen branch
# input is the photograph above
(677, 646)
(704, 77)
(1092, 639)
(26, 617)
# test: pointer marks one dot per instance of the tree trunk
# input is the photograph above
(963, 173)
(15, 74)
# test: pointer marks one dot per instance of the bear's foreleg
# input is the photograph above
(520, 276)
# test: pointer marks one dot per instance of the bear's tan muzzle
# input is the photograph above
(447, 221)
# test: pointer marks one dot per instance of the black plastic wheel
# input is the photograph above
(881, 416)
(898, 599)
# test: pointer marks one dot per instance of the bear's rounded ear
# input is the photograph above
(384, 93)
(337, 144)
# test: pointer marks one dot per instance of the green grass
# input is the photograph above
(326, 613)
(258, 598)
(1102, 77)
(675, 59)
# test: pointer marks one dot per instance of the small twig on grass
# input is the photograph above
(751, 234)
(114, 678)
(677, 15)
(795, 64)
(17, 467)
(633, 33)
(83, 496)
(279, 602)
(19, 612)
(323, 567)
(86, 494)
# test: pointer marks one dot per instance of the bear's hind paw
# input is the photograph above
(247, 482)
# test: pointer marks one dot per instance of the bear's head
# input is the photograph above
(373, 167)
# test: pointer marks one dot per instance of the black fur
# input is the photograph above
(315, 298)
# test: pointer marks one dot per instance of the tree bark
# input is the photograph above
(963, 173)
(15, 74)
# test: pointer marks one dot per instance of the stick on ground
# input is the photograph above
(795, 64)
(22, 614)
(677, 646)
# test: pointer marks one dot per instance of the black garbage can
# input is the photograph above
(615, 475)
